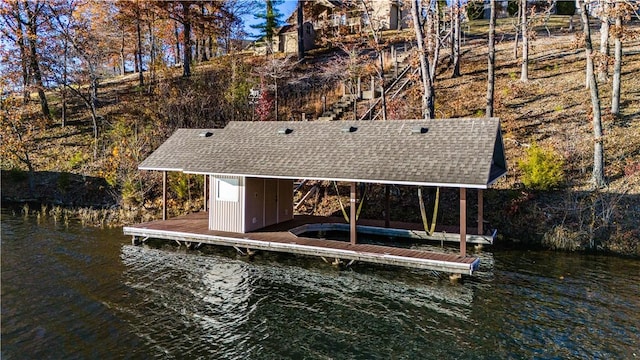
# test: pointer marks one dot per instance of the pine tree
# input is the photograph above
(270, 19)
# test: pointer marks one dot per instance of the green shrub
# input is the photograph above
(131, 193)
(542, 168)
(512, 7)
(475, 10)
(77, 159)
(180, 183)
(565, 8)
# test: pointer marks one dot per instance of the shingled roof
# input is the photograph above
(451, 152)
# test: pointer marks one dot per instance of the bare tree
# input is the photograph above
(491, 59)
(428, 92)
(437, 43)
(300, 22)
(12, 28)
(524, 74)
(275, 70)
(603, 63)
(597, 177)
(375, 28)
(456, 32)
(617, 64)
(34, 11)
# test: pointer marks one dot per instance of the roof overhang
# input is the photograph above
(454, 153)
(370, 181)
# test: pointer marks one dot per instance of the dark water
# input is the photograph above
(70, 292)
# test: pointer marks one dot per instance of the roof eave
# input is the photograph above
(373, 181)
(149, 168)
(496, 178)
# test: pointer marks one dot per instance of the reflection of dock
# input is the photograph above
(193, 228)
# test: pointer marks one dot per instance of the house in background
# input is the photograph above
(327, 18)
(287, 38)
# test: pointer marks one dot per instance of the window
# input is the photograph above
(227, 190)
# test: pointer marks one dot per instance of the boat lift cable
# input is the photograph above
(423, 213)
(344, 212)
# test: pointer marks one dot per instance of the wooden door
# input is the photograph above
(270, 201)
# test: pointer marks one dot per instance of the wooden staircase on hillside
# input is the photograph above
(351, 106)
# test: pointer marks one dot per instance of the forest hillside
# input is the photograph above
(86, 167)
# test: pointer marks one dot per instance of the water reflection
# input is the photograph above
(76, 293)
(221, 303)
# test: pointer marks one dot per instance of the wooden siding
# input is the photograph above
(227, 215)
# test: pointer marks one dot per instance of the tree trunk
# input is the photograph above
(524, 74)
(139, 52)
(275, 98)
(516, 38)
(186, 66)
(427, 85)
(383, 95)
(491, 61)
(300, 21)
(456, 46)
(65, 73)
(153, 54)
(603, 64)
(598, 152)
(32, 35)
(94, 118)
(452, 39)
(136, 66)
(202, 56)
(617, 65)
(177, 35)
(24, 63)
(122, 60)
(436, 53)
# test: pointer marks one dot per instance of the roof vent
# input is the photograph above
(285, 131)
(349, 129)
(205, 134)
(419, 130)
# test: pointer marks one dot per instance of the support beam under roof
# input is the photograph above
(352, 217)
(463, 222)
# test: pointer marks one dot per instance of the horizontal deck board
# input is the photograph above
(194, 227)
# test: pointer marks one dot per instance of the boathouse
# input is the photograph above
(251, 168)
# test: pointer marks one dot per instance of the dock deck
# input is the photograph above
(194, 228)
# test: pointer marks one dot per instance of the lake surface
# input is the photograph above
(70, 292)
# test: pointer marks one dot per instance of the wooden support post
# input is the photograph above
(205, 193)
(373, 87)
(387, 206)
(463, 222)
(480, 212)
(164, 195)
(352, 217)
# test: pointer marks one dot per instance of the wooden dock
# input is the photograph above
(193, 228)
